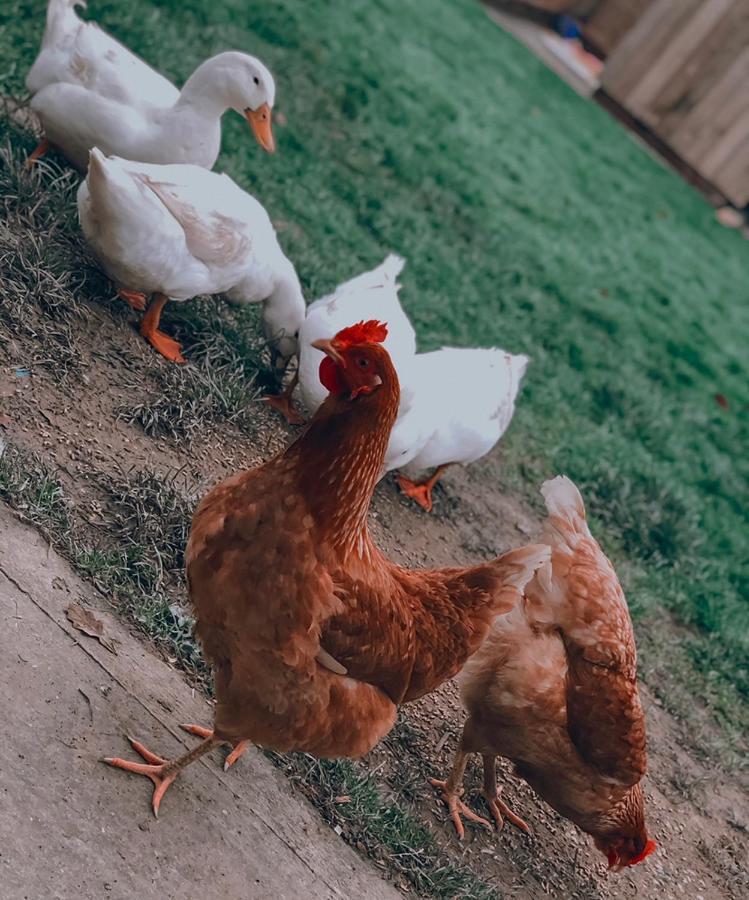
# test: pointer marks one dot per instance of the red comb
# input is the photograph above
(372, 332)
(647, 850)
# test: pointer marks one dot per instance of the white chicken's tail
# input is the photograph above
(392, 266)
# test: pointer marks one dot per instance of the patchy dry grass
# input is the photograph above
(222, 383)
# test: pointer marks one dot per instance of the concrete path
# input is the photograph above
(71, 827)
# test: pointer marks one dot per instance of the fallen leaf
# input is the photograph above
(721, 401)
(5, 421)
(84, 620)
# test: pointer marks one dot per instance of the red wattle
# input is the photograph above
(330, 376)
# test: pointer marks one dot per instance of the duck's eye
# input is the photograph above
(256, 79)
(363, 362)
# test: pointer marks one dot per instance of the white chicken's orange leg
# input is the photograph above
(41, 148)
(237, 751)
(282, 402)
(499, 810)
(452, 790)
(149, 328)
(135, 299)
(421, 491)
(162, 772)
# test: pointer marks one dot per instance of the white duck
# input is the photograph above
(89, 90)
(458, 404)
(177, 231)
(371, 295)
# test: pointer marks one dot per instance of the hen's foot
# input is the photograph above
(421, 493)
(135, 299)
(159, 770)
(282, 403)
(237, 750)
(501, 811)
(457, 808)
(162, 772)
(41, 148)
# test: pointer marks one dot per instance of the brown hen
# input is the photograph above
(554, 689)
(314, 636)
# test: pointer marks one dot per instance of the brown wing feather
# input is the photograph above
(604, 713)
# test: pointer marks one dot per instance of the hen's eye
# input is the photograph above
(363, 362)
(256, 79)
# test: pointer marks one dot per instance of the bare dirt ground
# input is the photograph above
(697, 809)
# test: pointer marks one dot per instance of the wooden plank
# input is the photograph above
(719, 107)
(612, 19)
(642, 45)
(684, 44)
(733, 177)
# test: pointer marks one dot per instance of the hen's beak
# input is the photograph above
(328, 348)
(260, 123)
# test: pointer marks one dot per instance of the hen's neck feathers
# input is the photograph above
(340, 457)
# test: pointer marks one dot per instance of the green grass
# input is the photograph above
(529, 219)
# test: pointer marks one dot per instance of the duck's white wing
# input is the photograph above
(212, 233)
(80, 53)
(371, 295)
(165, 228)
(463, 402)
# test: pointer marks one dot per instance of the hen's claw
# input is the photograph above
(156, 768)
(237, 751)
(501, 811)
(458, 809)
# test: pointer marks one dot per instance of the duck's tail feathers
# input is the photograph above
(61, 19)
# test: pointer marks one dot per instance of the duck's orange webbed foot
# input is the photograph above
(159, 770)
(457, 808)
(282, 403)
(149, 328)
(41, 148)
(421, 493)
(135, 299)
(237, 750)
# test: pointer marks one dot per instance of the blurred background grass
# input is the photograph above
(529, 219)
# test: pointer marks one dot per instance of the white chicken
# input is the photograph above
(90, 90)
(178, 231)
(459, 403)
(371, 295)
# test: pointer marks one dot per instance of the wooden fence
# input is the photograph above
(683, 70)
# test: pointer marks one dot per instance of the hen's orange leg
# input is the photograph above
(452, 790)
(282, 402)
(421, 492)
(499, 810)
(162, 772)
(149, 328)
(41, 148)
(237, 751)
(134, 299)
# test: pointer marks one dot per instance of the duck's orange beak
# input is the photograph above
(260, 123)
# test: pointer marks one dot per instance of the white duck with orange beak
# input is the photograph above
(91, 91)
